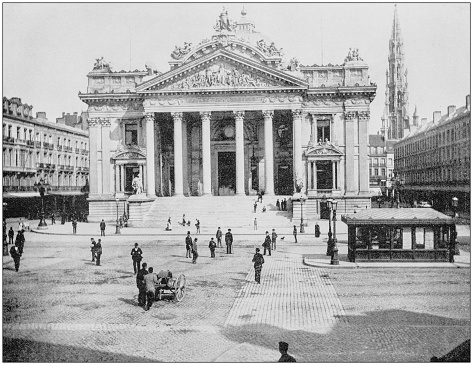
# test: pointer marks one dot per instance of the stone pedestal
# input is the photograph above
(138, 206)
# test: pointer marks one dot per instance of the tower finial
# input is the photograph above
(243, 11)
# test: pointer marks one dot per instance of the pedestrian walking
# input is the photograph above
(11, 234)
(16, 255)
(255, 224)
(285, 204)
(285, 357)
(255, 206)
(218, 235)
(140, 283)
(258, 260)
(53, 219)
(194, 251)
(264, 209)
(183, 220)
(20, 241)
(74, 226)
(151, 279)
(102, 228)
(278, 204)
(229, 241)
(98, 252)
(317, 230)
(136, 256)
(197, 226)
(294, 232)
(273, 239)
(212, 246)
(188, 245)
(267, 244)
(20, 225)
(92, 248)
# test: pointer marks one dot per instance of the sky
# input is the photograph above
(48, 48)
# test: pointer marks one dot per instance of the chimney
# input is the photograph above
(451, 110)
(41, 115)
(75, 113)
(437, 116)
(468, 102)
(423, 122)
(63, 113)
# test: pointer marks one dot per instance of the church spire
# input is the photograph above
(397, 96)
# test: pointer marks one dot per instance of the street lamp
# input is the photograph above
(5, 242)
(117, 227)
(334, 260)
(329, 242)
(302, 199)
(41, 189)
(454, 206)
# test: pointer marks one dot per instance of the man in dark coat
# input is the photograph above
(98, 252)
(151, 279)
(258, 259)
(140, 283)
(278, 204)
(20, 241)
(317, 230)
(229, 240)
(188, 245)
(11, 234)
(74, 226)
(212, 246)
(294, 232)
(15, 254)
(218, 235)
(53, 219)
(136, 256)
(92, 248)
(285, 357)
(267, 244)
(102, 228)
(274, 236)
(194, 251)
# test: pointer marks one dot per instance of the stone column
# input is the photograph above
(143, 173)
(240, 152)
(309, 175)
(93, 153)
(350, 152)
(268, 151)
(206, 162)
(106, 168)
(150, 191)
(178, 182)
(313, 130)
(334, 180)
(122, 178)
(297, 144)
(117, 178)
(363, 162)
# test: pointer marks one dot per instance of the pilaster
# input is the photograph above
(94, 130)
(240, 152)
(350, 152)
(150, 178)
(106, 166)
(268, 151)
(206, 162)
(364, 184)
(297, 144)
(178, 182)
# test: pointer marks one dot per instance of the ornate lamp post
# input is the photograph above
(41, 189)
(302, 199)
(334, 260)
(329, 242)
(5, 237)
(117, 226)
(454, 206)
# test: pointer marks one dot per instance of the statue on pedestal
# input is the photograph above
(137, 185)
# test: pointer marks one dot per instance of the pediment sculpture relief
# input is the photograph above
(270, 50)
(180, 52)
(323, 148)
(220, 75)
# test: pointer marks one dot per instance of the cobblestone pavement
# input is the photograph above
(61, 307)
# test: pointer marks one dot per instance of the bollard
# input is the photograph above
(334, 260)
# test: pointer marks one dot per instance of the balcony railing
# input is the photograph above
(67, 149)
(30, 143)
(40, 165)
(18, 188)
(59, 147)
(77, 150)
(8, 139)
(64, 188)
(84, 151)
(85, 169)
(37, 144)
(48, 145)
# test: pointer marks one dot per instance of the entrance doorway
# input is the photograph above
(285, 186)
(324, 175)
(324, 211)
(226, 173)
(130, 173)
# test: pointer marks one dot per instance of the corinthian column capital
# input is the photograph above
(149, 117)
(268, 114)
(349, 116)
(93, 122)
(177, 116)
(105, 122)
(364, 115)
(297, 113)
(239, 114)
(205, 115)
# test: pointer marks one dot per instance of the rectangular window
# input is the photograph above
(376, 172)
(383, 172)
(131, 134)
(383, 162)
(375, 161)
(18, 132)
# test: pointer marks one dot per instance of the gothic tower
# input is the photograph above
(395, 120)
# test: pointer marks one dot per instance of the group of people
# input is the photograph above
(281, 205)
(191, 244)
(184, 223)
(96, 249)
(16, 251)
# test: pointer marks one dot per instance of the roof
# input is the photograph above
(376, 140)
(401, 216)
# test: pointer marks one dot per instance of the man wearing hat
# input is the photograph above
(258, 259)
(285, 357)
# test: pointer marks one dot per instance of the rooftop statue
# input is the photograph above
(100, 64)
(181, 51)
(353, 55)
(271, 50)
(223, 23)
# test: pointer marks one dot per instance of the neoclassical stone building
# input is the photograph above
(230, 117)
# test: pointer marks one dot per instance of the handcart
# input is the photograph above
(168, 285)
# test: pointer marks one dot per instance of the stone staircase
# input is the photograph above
(217, 211)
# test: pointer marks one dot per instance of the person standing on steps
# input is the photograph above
(317, 230)
(136, 256)
(278, 204)
(140, 283)
(294, 232)
(212, 246)
(273, 239)
(194, 251)
(229, 241)
(218, 235)
(197, 226)
(267, 244)
(188, 245)
(255, 206)
(11, 234)
(258, 260)
(74, 226)
(102, 228)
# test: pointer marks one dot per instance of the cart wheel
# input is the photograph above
(160, 295)
(180, 294)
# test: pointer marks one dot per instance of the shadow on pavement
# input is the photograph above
(129, 301)
(379, 336)
(19, 350)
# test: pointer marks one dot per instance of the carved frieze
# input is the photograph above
(93, 122)
(323, 101)
(116, 106)
(364, 115)
(349, 116)
(221, 75)
(358, 101)
(281, 98)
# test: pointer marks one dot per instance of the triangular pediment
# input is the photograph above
(129, 152)
(323, 149)
(224, 71)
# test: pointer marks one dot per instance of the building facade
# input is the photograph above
(35, 150)
(434, 160)
(395, 121)
(230, 117)
(381, 164)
